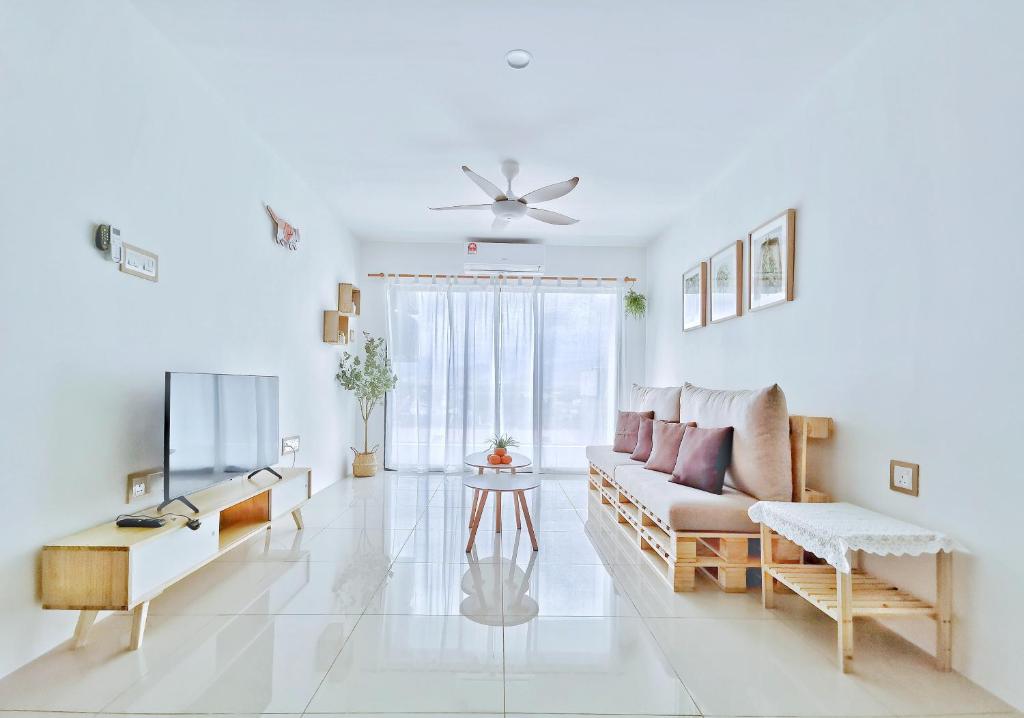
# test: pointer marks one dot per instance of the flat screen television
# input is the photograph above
(217, 426)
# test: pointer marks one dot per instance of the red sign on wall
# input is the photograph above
(471, 248)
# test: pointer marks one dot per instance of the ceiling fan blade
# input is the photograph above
(546, 215)
(489, 187)
(461, 206)
(552, 191)
(498, 224)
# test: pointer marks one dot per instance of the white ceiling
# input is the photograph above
(379, 103)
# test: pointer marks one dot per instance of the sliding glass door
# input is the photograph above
(540, 363)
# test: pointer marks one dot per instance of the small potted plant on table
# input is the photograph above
(499, 445)
(369, 379)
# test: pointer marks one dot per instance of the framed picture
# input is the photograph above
(725, 275)
(770, 263)
(695, 297)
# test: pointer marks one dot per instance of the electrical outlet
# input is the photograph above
(904, 477)
(138, 483)
(290, 445)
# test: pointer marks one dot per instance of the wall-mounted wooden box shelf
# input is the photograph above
(349, 299)
(336, 327)
(337, 322)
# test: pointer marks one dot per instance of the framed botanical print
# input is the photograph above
(695, 297)
(725, 280)
(770, 261)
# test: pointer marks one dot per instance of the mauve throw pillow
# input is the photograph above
(627, 428)
(704, 455)
(665, 446)
(644, 440)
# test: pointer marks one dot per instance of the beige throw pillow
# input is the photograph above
(761, 463)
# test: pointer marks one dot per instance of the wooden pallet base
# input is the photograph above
(677, 556)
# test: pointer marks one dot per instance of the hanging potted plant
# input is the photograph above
(369, 378)
(635, 304)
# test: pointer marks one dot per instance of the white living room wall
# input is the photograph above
(448, 258)
(904, 168)
(102, 122)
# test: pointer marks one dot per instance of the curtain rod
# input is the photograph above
(382, 275)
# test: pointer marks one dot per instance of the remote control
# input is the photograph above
(139, 523)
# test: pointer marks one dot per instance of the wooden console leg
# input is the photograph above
(767, 582)
(684, 570)
(944, 610)
(297, 518)
(844, 611)
(85, 621)
(139, 615)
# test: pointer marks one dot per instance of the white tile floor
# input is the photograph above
(376, 609)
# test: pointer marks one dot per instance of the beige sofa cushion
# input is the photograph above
(604, 458)
(684, 508)
(761, 463)
(662, 400)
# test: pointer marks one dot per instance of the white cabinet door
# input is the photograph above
(155, 563)
(286, 495)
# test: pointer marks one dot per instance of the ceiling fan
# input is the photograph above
(507, 207)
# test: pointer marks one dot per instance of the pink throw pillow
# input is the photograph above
(704, 455)
(666, 437)
(627, 428)
(644, 441)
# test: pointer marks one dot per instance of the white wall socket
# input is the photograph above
(138, 483)
(290, 445)
(904, 477)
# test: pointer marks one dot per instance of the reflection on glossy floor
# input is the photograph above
(375, 608)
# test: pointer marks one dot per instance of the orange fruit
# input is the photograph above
(493, 459)
(500, 451)
(506, 459)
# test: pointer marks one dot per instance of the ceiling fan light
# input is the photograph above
(518, 59)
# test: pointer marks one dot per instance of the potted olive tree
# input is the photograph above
(369, 378)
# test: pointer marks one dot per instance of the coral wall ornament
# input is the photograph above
(286, 234)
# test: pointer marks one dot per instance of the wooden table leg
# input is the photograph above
(526, 515)
(844, 613)
(474, 521)
(85, 621)
(519, 522)
(139, 616)
(472, 511)
(497, 512)
(944, 610)
(297, 518)
(767, 581)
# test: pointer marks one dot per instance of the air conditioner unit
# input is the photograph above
(504, 258)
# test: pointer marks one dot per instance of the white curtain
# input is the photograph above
(541, 363)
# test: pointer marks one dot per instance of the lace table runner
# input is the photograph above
(831, 531)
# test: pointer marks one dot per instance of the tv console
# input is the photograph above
(110, 568)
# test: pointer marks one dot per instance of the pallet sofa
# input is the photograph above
(682, 530)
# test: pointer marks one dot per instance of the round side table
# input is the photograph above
(483, 486)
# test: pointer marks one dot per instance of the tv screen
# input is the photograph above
(217, 426)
